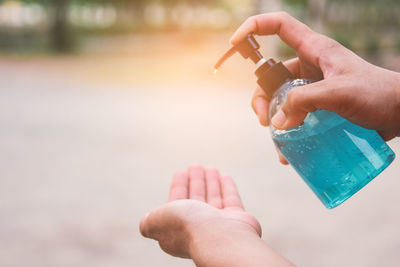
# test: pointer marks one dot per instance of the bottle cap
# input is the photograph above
(271, 75)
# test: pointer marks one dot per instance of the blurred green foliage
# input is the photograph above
(363, 25)
(367, 26)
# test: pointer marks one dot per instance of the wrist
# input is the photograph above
(217, 245)
(214, 245)
(397, 87)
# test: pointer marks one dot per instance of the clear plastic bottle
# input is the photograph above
(335, 157)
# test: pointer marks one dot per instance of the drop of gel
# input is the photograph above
(215, 71)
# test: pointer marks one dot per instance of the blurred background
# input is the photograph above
(101, 101)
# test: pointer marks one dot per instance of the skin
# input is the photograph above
(348, 85)
(204, 218)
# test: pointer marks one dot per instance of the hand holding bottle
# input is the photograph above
(364, 94)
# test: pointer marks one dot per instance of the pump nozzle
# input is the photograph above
(227, 55)
(271, 75)
(248, 48)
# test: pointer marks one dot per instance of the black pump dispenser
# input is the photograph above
(271, 75)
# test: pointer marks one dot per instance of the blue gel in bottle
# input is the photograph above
(335, 157)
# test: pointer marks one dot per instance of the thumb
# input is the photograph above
(144, 226)
(158, 221)
(307, 98)
(151, 224)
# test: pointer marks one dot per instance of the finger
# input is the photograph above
(146, 226)
(213, 188)
(260, 100)
(281, 157)
(197, 187)
(179, 186)
(291, 31)
(230, 195)
(153, 223)
(325, 94)
(260, 104)
(293, 65)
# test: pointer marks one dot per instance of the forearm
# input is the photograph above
(397, 89)
(390, 83)
(218, 247)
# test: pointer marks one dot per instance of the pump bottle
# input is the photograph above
(335, 157)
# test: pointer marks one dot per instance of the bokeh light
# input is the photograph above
(102, 101)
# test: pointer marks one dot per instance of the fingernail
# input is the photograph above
(278, 120)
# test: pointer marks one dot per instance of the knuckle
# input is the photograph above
(300, 100)
(285, 14)
(328, 44)
(315, 40)
(251, 19)
(334, 43)
(341, 100)
(294, 98)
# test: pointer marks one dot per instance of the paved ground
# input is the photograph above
(88, 145)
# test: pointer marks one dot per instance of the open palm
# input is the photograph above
(201, 201)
